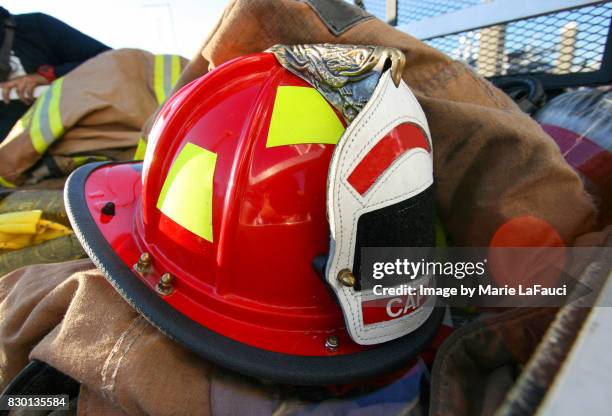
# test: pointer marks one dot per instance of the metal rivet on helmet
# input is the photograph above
(331, 343)
(347, 278)
(144, 263)
(164, 286)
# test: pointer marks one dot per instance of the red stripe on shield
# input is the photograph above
(398, 141)
(387, 309)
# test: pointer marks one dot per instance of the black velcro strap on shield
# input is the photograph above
(409, 223)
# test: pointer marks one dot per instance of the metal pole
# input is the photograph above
(488, 14)
(491, 54)
(392, 12)
(566, 49)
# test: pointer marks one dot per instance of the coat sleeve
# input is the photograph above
(70, 46)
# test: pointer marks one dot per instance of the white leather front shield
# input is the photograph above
(409, 174)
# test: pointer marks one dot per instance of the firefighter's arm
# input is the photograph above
(70, 47)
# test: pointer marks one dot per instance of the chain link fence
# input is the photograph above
(409, 11)
(414, 10)
(564, 42)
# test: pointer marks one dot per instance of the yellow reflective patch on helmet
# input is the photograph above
(186, 196)
(301, 115)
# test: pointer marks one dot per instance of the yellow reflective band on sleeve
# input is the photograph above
(7, 184)
(55, 116)
(47, 125)
(140, 149)
(166, 72)
(302, 115)
(176, 70)
(35, 132)
(81, 160)
(186, 196)
(158, 82)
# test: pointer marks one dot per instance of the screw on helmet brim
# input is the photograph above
(233, 355)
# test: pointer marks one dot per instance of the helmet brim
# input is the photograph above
(242, 358)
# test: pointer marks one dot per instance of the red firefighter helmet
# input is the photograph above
(213, 237)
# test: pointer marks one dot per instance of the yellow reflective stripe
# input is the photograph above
(55, 116)
(81, 160)
(140, 149)
(186, 196)
(6, 184)
(158, 79)
(47, 124)
(301, 115)
(167, 71)
(176, 70)
(35, 133)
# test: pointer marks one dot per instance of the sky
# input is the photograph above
(159, 26)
